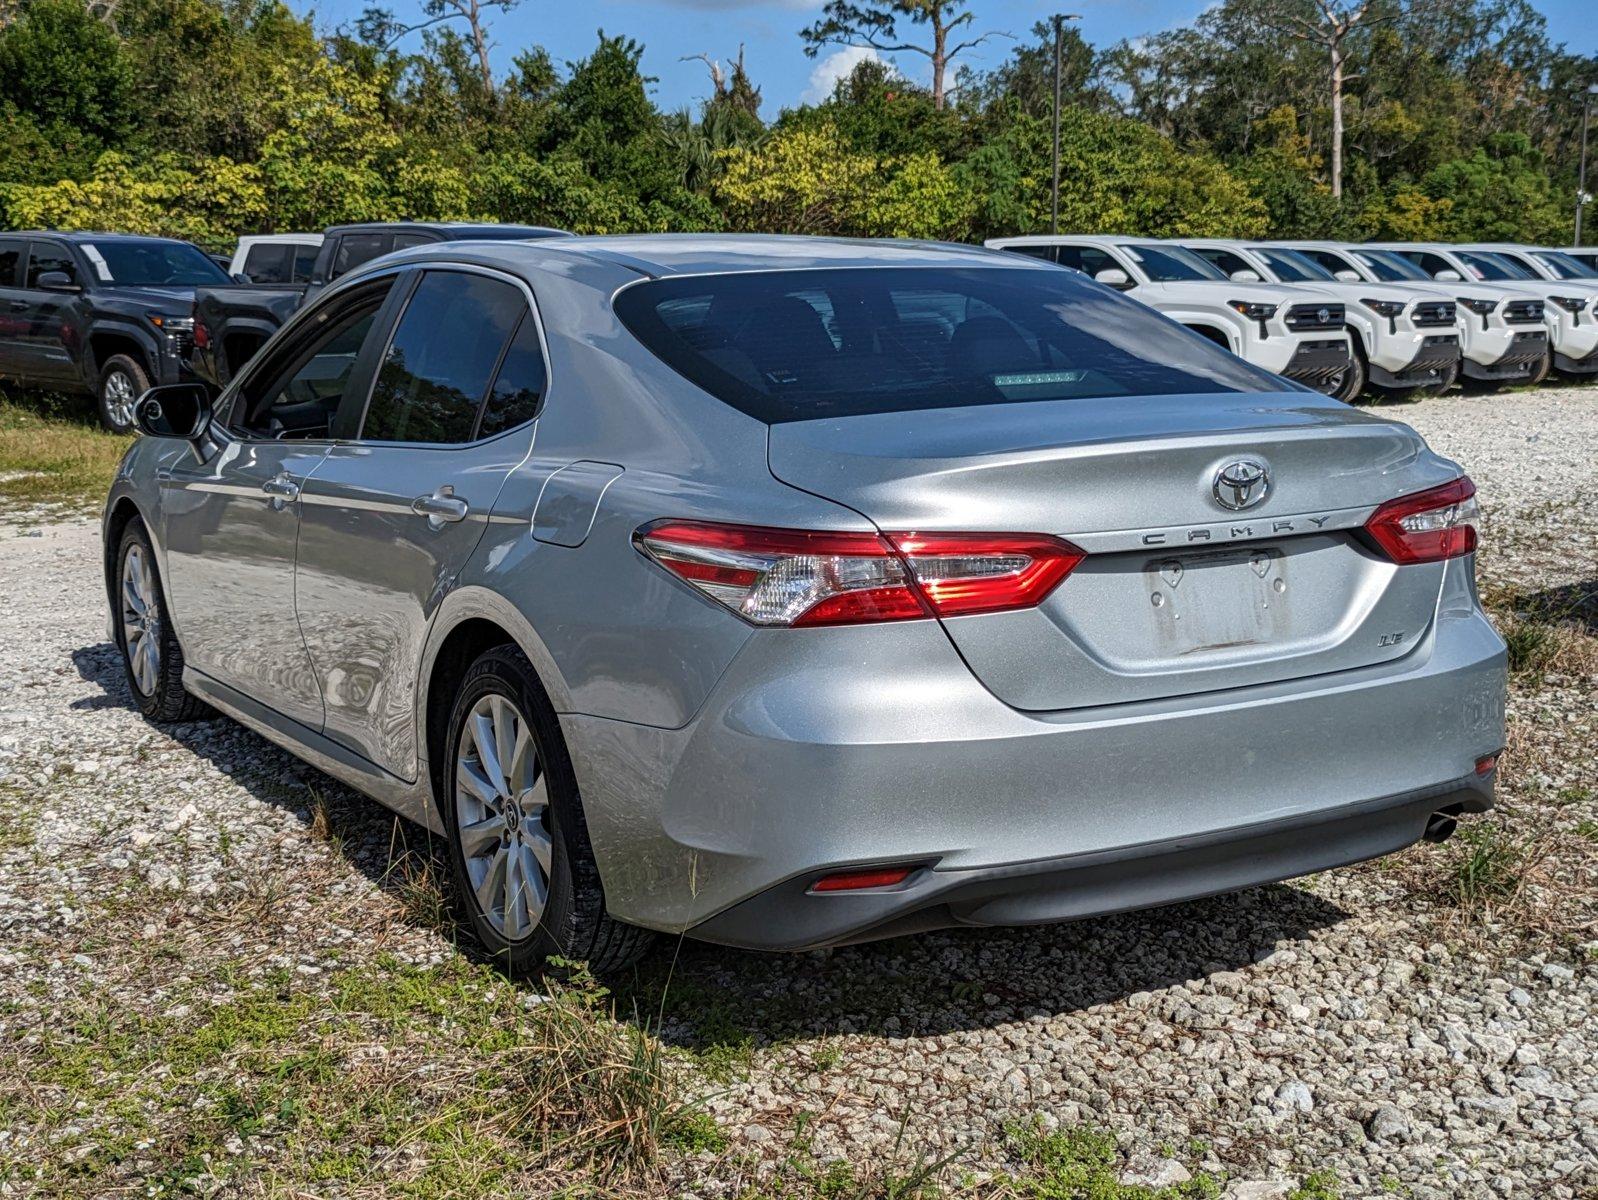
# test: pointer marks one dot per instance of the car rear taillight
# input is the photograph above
(803, 577)
(1428, 526)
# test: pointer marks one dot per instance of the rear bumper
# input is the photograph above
(791, 917)
(826, 749)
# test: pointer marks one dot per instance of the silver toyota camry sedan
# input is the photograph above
(787, 592)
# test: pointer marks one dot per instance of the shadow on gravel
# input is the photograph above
(723, 1003)
(1574, 603)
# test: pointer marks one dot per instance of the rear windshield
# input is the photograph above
(802, 345)
(152, 264)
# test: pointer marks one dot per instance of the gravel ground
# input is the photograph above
(1425, 1025)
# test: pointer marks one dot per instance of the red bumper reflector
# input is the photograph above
(1485, 764)
(859, 881)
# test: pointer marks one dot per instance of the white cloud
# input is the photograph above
(840, 64)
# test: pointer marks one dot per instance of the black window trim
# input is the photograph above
(401, 297)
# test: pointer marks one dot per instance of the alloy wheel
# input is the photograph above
(141, 620)
(502, 817)
(119, 399)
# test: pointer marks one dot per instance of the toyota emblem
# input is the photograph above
(1242, 484)
(1323, 315)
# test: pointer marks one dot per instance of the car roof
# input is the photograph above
(663, 254)
(89, 235)
(455, 230)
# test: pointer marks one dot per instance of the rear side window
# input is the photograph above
(1228, 262)
(802, 345)
(10, 263)
(1046, 253)
(49, 256)
(269, 263)
(355, 249)
(519, 387)
(435, 375)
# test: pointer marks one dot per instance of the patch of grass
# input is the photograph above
(48, 455)
(1317, 1185)
(1491, 868)
(1080, 1163)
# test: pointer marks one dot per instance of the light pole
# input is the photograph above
(1054, 193)
(1581, 177)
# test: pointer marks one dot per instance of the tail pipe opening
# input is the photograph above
(1441, 824)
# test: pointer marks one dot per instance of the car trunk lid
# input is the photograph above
(1178, 594)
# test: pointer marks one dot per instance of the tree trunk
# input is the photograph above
(1337, 120)
(940, 38)
(474, 16)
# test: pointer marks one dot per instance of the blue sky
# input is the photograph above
(769, 31)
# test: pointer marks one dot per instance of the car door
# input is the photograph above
(13, 310)
(230, 523)
(394, 512)
(43, 338)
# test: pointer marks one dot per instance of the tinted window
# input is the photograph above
(357, 248)
(893, 339)
(1090, 260)
(1561, 264)
(1491, 266)
(1389, 267)
(403, 241)
(1432, 264)
(305, 261)
(519, 387)
(1171, 264)
(1044, 252)
(1292, 267)
(297, 393)
(270, 263)
(1228, 263)
(10, 263)
(1329, 262)
(138, 263)
(443, 353)
(49, 256)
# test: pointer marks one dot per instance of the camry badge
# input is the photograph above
(1242, 484)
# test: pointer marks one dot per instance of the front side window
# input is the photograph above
(1226, 261)
(1090, 260)
(296, 394)
(46, 257)
(903, 338)
(1389, 267)
(135, 262)
(435, 376)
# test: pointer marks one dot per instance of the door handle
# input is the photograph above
(441, 507)
(19, 306)
(281, 489)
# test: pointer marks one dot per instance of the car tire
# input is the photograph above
(1353, 382)
(526, 885)
(1540, 371)
(122, 381)
(151, 655)
(1441, 387)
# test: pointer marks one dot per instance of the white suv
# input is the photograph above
(1293, 332)
(1577, 296)
(1572, 336)
(1493, 351)
(1401, 342)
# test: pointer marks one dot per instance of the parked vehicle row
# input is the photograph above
(1412, 318)
(848, 589)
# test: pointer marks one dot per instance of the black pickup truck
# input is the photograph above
(231, 323)
(98, 313)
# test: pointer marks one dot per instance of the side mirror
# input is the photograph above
(1246, 275)
(1448, 275)
(1346, 275)
(175, 410)
(1113, 277)
(241, 277)
(56, 281)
